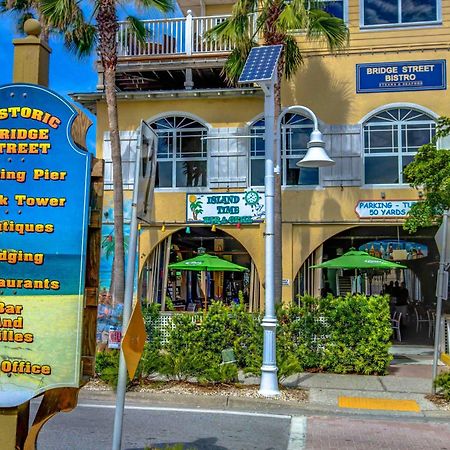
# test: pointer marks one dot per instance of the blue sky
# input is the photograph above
(67, 72)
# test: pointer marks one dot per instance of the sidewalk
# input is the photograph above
(400, 393)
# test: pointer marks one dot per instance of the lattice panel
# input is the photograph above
(164, 324)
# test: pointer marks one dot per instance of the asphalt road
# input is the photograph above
(89, 427)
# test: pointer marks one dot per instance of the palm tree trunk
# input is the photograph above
(119, 253)
(107, 28)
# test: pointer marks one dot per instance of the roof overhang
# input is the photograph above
(90, 99)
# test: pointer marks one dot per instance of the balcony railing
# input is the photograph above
(180, 36)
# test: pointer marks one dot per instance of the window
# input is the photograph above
(334, 7)
(181, 152)
(391, 139)
(295, 133)
(399, 12)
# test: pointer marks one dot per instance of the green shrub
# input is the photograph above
(342, 335)
(107, 367)
(442, 381)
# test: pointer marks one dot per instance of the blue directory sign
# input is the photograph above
(401, 76)
(44, 205)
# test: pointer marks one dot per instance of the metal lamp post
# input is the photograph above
(260, 67)
(316, 156)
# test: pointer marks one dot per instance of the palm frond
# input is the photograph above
(236, 61)
(24, 16)
(292, 57)
(322, 25)
(162, 5)
(293, 17)
(15, 5)
(232, 31)
(137, 29)
(81, 40)
(244, 7)
(61, 14)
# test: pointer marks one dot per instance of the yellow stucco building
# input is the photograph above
(377, 101)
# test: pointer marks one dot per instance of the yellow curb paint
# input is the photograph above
(445, 358)
(386, 404)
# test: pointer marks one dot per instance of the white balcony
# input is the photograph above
(171, 37)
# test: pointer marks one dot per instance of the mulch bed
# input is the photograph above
(439, 400)
(184, 387)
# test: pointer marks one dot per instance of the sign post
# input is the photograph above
(442, 241)
(134, 336)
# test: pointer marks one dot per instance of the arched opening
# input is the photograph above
(181, 290)
(417, 252)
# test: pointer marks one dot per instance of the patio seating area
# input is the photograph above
(416, 326)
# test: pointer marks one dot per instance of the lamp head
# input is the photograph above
(316, 156)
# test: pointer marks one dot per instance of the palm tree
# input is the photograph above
(272, 22)
(82, 38)
(26, 9)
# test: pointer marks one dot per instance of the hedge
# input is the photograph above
(341, 335)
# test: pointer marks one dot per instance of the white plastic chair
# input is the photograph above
(396, 321)
(420, 320)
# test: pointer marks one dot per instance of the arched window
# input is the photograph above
(295, 134)
(181, 152)
(391, 139)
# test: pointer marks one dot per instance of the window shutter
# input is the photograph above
(227, 158)
(128, 143)
(344, 146)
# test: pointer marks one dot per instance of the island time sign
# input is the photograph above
(369, 209)
(401, 76)
(227, 208)
(44, 199)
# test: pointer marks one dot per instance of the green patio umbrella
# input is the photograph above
(356, 259)
(207, 263)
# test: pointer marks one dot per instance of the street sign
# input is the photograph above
(134, 339)
(439, 238)
(44, 206)
(147, 147)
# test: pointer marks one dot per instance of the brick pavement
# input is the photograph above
(343, 433)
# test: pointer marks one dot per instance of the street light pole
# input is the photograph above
(269, 380)
(315, 157)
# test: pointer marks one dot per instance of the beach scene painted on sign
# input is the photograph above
(395, 249)
(110, 309)
(44, 203)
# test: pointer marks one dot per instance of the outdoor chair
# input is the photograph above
(431, 322)
(420, 319)
(396, 321)
(191, 307)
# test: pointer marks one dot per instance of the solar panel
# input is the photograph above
(261, 64)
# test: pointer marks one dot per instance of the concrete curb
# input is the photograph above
(249, 404)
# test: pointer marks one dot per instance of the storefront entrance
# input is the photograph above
(417, 252)
(181, 290)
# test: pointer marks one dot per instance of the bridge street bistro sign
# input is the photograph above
(370, 209)
(226, 208)
(401, 76)
(44, 200)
